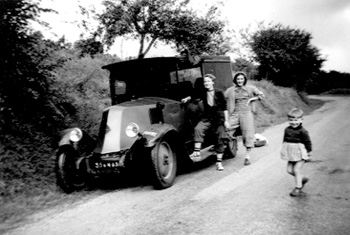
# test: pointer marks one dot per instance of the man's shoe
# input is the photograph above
(304, 181)
(246, 162)
(219, 166)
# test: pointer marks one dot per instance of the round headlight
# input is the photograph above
(132, 130)
(75, 135)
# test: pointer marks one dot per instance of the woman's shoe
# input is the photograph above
(246, 162)
(219, 166)
(196, 156)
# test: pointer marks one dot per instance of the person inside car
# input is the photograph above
(214, 116)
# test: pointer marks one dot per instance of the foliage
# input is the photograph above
(246, 66)
(285, 55)
(329, 82)
(84, 89)
(89, 46)
(24, 79)
(151, 21)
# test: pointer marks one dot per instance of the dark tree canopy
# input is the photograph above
(89, 46)
(286, 55)
(169, 21)
(23, 79)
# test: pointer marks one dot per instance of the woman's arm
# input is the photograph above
(257, 95)
(186, 99)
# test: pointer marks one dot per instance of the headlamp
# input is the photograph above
(132, 130)
(75, 135)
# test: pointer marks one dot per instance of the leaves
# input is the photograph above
(169, 21)
(286, 55)
(24, 79)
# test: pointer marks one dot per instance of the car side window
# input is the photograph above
(120, 87)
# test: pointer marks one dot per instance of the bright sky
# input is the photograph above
(328, 21)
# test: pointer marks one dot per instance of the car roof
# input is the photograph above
(166, 63)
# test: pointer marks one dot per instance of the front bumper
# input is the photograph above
(110, 163)
(115, 162)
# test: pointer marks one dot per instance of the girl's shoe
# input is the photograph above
(219, 166)
(297, 193)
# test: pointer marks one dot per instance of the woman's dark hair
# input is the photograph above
(237, 74)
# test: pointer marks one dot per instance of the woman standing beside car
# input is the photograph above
(240, 109)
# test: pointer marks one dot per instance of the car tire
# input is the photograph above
(68, 177)
(231, 148)
(164, 163)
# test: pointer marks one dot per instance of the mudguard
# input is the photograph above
(85, 145)
(155, 132)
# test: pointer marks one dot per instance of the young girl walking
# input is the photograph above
(296, 149)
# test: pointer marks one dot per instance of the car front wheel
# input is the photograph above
(69, 178)
(164, 163)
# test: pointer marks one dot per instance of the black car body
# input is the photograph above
(146, 120)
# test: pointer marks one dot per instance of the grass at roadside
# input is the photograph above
(27, 180)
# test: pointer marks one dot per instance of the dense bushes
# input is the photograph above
(84, 89)
(81, 93)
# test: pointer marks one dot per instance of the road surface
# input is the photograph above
(240, 200)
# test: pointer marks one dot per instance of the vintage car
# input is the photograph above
(147, 120)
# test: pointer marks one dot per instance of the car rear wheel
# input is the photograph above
(231, 148)
(164, 164)
(69, 178)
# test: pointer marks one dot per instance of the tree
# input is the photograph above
(89, 46)
(285, 55)
(24, 79)
(248, 67)
(152, 21)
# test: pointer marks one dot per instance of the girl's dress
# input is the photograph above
(296, 144)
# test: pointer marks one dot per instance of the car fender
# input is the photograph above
(85, 145)
(155, 132)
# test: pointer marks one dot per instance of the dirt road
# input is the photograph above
(240, 200)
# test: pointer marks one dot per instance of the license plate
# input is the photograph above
(106, 165)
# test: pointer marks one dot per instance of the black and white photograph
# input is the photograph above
(175, 117)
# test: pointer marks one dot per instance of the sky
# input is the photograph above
(328, 21)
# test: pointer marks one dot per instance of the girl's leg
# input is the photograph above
(299, 179)
(297, 173)
(290, 168)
